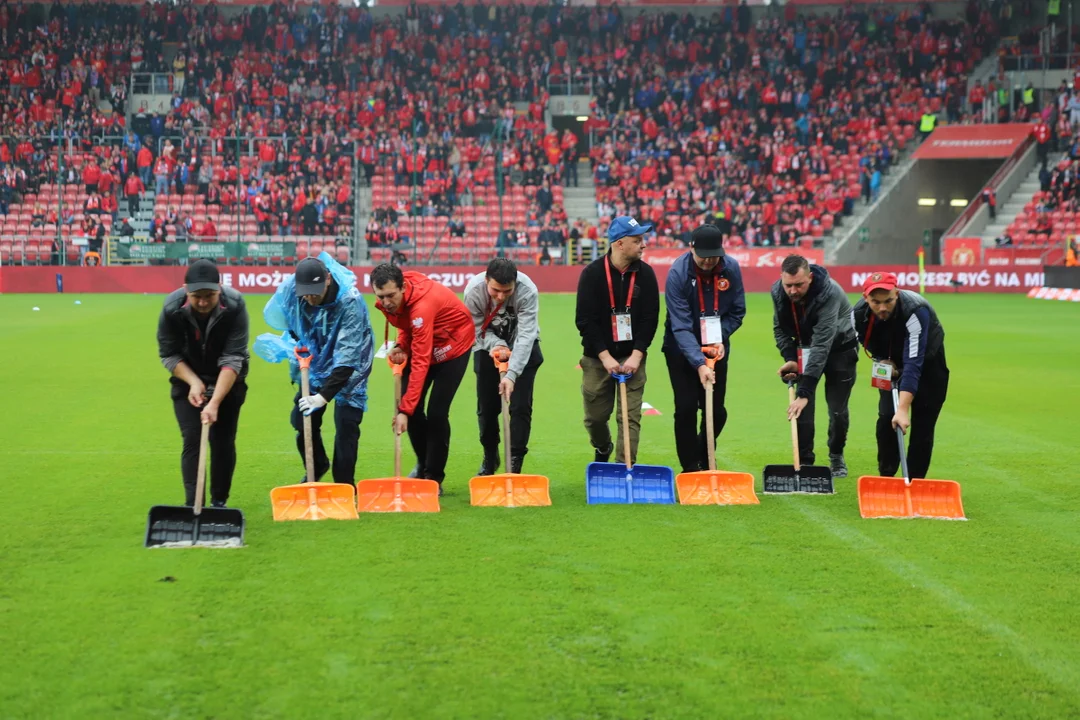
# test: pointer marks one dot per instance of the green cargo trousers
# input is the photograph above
(598, 392)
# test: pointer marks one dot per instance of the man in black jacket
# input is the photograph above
(812, 327)
(706, 305)
(618, 310)
(901, 334)
(203, 341)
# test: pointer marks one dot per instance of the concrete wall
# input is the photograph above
(896, 227)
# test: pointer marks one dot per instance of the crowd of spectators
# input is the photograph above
(779, 124)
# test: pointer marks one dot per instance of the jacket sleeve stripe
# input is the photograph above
(914, 328)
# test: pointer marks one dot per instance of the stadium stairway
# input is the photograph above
(1013, 206)
(848, 231)
(580, 201)
(363, 217)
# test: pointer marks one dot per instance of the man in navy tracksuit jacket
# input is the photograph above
(705, 306)
(900, 328)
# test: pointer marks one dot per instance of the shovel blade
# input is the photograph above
(811, 479)
(397, 494)
(314, 501)
(179, 526)
(613, 484)
(509, 490)
(886, 497)
(715, 487)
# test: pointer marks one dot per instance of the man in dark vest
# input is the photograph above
(901, 334)
(812, 328)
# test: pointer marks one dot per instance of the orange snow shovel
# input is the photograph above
(709, 487)
(508, 489)
(887, 497)
(312, 500)
(397, 493)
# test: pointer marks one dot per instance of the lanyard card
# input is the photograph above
(881, 375)
(712, 331)
(803, 354)
(621, 329)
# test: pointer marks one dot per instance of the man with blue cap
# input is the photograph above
(618, 310)
(706, 304)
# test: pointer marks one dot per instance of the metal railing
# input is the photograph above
(156, 84)
(572, 85)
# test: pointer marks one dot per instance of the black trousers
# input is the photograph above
(925, 409)
(839, 377)
(429, 427)
(222, 441)
(690, 441)
(489, 403)
(346, 437)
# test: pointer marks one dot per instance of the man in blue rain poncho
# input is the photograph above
(321, 308)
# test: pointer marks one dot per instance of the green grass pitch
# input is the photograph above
(794, 608)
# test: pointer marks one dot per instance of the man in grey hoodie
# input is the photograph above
(813, 331)
(505, 308)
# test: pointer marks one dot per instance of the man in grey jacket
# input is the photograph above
(203, 342)
(505, 308)
(813, 331)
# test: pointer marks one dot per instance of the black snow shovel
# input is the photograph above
(815, 479)
(171, 526)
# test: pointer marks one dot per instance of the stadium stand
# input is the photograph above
(280, 116)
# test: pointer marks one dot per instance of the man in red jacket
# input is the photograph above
(435, 333)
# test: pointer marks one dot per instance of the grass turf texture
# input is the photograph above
(793, 608)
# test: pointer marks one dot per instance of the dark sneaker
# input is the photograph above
(218, 503)
(515, 464)
(837, 466)
(318, 476)
(489, 465)
(417, 472)
(440, 490)
(602, 456)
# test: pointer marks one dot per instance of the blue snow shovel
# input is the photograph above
(617, 484)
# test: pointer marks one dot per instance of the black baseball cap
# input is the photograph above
(310, 277)
(708, 241)
(202, 275)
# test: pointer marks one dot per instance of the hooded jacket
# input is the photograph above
(515, 324)
(223, 342)
(338, 334)
(434, 326)
(821, 324)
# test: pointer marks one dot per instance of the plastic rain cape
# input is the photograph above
(337, 334)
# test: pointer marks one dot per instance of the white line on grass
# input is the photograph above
(1059, 670)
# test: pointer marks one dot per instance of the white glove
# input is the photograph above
(311, 403)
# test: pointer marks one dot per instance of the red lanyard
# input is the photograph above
(798, 332)
(487, 320)
(611, 289)
(715, 295)
(866, 343)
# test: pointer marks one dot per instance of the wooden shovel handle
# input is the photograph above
(710, 429)
(625, 426)
(200, 475)
(397, 404)
(506, 425)
(309, 452)
(794, 429)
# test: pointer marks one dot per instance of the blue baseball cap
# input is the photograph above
(626, 226)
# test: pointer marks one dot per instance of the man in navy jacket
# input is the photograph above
(705, 306)
(900, 331)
